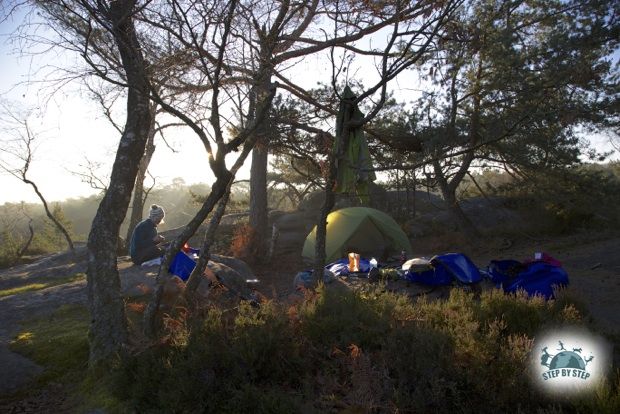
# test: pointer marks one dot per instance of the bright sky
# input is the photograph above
(72, 129)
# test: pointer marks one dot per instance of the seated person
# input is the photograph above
(146, 244)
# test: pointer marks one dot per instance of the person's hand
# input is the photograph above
(159, 238)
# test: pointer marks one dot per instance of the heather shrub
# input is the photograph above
(338, 350)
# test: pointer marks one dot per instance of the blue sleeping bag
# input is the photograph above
(535, 278)
(501, 270)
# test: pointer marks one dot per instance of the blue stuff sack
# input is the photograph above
(182, 264)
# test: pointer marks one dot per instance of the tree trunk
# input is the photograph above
(399, 204)
(221, 186)
(22, 251)
(137, 205)
(464, 223)
(258, 176)
(330, 197)
(205, 250)
(108, 331)
(448, 188)
(321, 229)
(258, 194)
(448, 192)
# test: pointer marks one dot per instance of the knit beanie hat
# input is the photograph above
(156, 214)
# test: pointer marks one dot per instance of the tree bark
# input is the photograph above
(108, 330)
(218, 190)
(258, 193)
(330, 198)
(448, 192)
(448, 188)
(205, 250)
(22, 251)
(139, 198)
(258, 176)
(221, 187)
(464, 223)
(321, 229)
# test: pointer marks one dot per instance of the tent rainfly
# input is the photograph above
(363, 230)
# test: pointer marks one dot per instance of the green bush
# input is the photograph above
(9, 246)
(419, 360)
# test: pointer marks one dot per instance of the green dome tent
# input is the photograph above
(361, 230)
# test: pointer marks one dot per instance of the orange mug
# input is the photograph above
(354, 262)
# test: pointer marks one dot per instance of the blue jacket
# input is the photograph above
(143, 236)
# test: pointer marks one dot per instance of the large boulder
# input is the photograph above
(231, 278)
(289, 232)
(487, 214)
(195, 240)
(420, 202)
(492, 213)
(313, 202)
(295, 221)
(274, 215)
(289, 242)
(392, 202)
(140, 280)
(238, 265)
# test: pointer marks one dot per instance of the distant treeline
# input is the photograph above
(573, 197)
(178, 199)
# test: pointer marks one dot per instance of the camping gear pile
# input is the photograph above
(538, 277)
(358, 235)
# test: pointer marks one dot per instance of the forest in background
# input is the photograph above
(567, 201)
